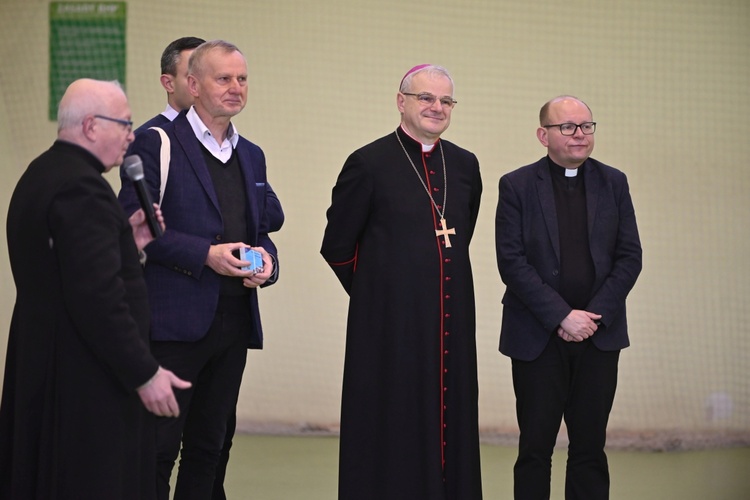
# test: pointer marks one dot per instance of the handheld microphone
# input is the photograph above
(133, 168)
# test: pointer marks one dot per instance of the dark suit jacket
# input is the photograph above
(157, 121)
(183, 291)
(528, 256)
(273, 209)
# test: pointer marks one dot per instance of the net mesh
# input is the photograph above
(666, 81)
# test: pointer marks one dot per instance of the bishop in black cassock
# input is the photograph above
(409, 418)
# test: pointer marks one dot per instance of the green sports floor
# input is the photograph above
(304, 468)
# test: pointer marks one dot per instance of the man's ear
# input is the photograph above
(192, 85)
(88, 128)
(541, 134)
(167, 81)
(400, 98)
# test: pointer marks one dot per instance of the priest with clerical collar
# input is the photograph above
(569, 254)
(402, 216)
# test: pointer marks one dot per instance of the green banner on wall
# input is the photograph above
(87, 40)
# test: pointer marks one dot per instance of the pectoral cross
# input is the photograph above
(445, 232)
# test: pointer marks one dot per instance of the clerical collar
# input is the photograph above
(562, 171)
(426, 148)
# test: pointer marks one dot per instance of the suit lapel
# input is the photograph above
(191, 146)
(194, 153)
(593, 183)
(547, 203)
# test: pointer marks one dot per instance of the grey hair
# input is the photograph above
(432, 70)
(195, 63)
(71, 112)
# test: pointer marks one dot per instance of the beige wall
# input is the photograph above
(667, 81)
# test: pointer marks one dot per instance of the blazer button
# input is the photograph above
(555, 272)
(218, 237)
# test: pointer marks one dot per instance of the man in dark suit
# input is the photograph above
(174, 71)
(569, 253)
(78, 371)
(204, 305)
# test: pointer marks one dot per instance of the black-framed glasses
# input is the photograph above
(588, 128)
(427, 99)
(128, 124)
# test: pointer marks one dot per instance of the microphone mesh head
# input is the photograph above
(133, 167)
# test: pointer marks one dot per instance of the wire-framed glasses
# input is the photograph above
(125, 123)
(427, 99)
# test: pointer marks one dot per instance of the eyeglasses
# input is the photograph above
(427, 99)
(587, 128)
(125, 123)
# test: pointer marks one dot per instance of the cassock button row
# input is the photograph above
(447, 297)
(432, 172)
(447, 315)
(447, 278)
(447, 260)
(436, 189)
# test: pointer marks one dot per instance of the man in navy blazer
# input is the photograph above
(204, 305)
(174, 80)
(174, 72)
(569, 253)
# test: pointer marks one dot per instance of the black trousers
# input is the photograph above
(575, 382)
(221, 467)
(214, 365)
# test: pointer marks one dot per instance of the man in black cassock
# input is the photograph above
(78, 371)
(402, 216)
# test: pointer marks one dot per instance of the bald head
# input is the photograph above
(563, 99)
(94, 115)
(85, 97)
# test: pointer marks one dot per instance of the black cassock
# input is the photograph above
(72, 426)
(409, 416)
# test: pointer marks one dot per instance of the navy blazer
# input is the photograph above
(528, 256)
(273, 205)
(183, 291)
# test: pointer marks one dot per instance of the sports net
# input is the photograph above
(668, 85)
